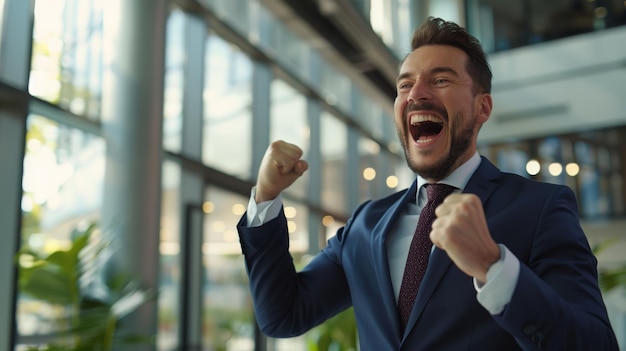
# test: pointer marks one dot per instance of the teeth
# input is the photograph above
(415, 119)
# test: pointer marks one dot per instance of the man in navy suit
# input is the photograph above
(511, 268)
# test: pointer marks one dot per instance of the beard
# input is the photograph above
(460, 141)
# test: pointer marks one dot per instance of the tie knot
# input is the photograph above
(437, 192)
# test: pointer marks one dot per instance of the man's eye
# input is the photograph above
(441, 81)
(405, 86)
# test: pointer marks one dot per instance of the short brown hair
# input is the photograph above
(436, 31)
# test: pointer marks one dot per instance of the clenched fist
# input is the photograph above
(281, 166)
(461, 230)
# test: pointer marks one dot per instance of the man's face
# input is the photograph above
(437, 113)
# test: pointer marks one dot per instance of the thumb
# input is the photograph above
(300, 167)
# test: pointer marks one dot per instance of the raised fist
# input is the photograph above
(281, 166)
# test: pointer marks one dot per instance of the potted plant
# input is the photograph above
(91, 304)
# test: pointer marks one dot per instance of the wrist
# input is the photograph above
(262, 196)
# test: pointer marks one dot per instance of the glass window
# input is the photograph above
(235, 12)
(370, 114)
(590, 163)
(288, 122)
(513, 158)
(169, 259)
(1, 17)
(66, 64)
(228, 315)
(403, 172)
(335, 87)
(62, 193)
(391, 178)
(174, 82)
(334, 149)
(369, 153)
(503, 25)
(589, 179)
(227, 102)
(289, 49)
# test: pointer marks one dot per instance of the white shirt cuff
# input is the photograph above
(502, 276)
(261, 213)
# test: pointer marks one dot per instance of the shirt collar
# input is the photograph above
(459, 177)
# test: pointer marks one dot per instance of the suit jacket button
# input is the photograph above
(529, 329)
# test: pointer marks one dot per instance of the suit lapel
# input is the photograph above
(482, 183)
(379, 254)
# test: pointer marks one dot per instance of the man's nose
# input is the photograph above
(420, 91)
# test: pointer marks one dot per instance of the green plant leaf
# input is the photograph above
(90, 323)
(612, 278)
(46, 283)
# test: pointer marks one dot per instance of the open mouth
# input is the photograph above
(425, 128)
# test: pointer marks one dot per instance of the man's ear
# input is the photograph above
(484, 107)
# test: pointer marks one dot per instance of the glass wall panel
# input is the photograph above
(228, 116)
(513, 158)
(289, 49)
(335, 88)
(67, 55)
(403, 172)
(370, 114)
(369, 154)
(502, 25)
(288, 122)
(1, 18)
(228, 315)
(174, 81)
(62, 194)
(235, 12)
(169, 249)
(334, 149)
(389, 177)
(590, 163)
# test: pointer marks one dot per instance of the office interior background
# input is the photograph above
(148, 119)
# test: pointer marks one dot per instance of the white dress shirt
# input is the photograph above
(502, 276)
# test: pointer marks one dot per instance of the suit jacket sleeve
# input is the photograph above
(557, 303)
(286, 302)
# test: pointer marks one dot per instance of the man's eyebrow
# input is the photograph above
(403, 76)
(436, 70)
(444, 69)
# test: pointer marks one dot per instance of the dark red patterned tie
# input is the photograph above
(419, 252)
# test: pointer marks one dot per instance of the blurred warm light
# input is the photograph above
(533, 167)
(600, 12)
(328, 220)
(555, 169)
(33, 144)
(27, 203)
(572, 169)
(369, 173)
(370, 146)
(36, 241)
(169, 248)
(290, 212)
(208, 207)
(52, 245)
(392, 182)
(230, 236)
(218, 226)
(238, 209)
(331, 99)
(394, 147)
(291, 226)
